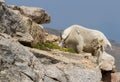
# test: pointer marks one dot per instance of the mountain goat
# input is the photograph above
(82, 39)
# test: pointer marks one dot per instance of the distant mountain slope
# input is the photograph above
(115, 46)
(53, 31)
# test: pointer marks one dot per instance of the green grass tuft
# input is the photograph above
(50, 45)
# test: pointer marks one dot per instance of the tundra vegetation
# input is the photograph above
(48, 45)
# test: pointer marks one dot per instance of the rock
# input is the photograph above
(52, 38)
(37, 32)
(81, 74)
(20, 26)
(38, 15)
(54, 72)
(1, 1)
(106, 66)
(115, 77)
(108, 62)
(72, 70)
(10, 22)
(24, 37)
(18, 62)
(72, 73)
(33, 65)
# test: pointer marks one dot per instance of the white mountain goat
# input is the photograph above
(82, 39)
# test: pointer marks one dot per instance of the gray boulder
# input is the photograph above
(21, 25)
(17, 64)
(108, 62)
(38, 15)
(82, 74)
(73, 73)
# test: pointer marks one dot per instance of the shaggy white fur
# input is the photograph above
(82, 39)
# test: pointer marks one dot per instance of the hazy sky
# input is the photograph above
(103, 15)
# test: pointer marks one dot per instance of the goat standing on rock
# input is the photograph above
(82, 39)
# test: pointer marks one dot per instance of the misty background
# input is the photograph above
(103, 15)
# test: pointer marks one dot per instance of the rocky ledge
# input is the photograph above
(23, 23)
(26, 64)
